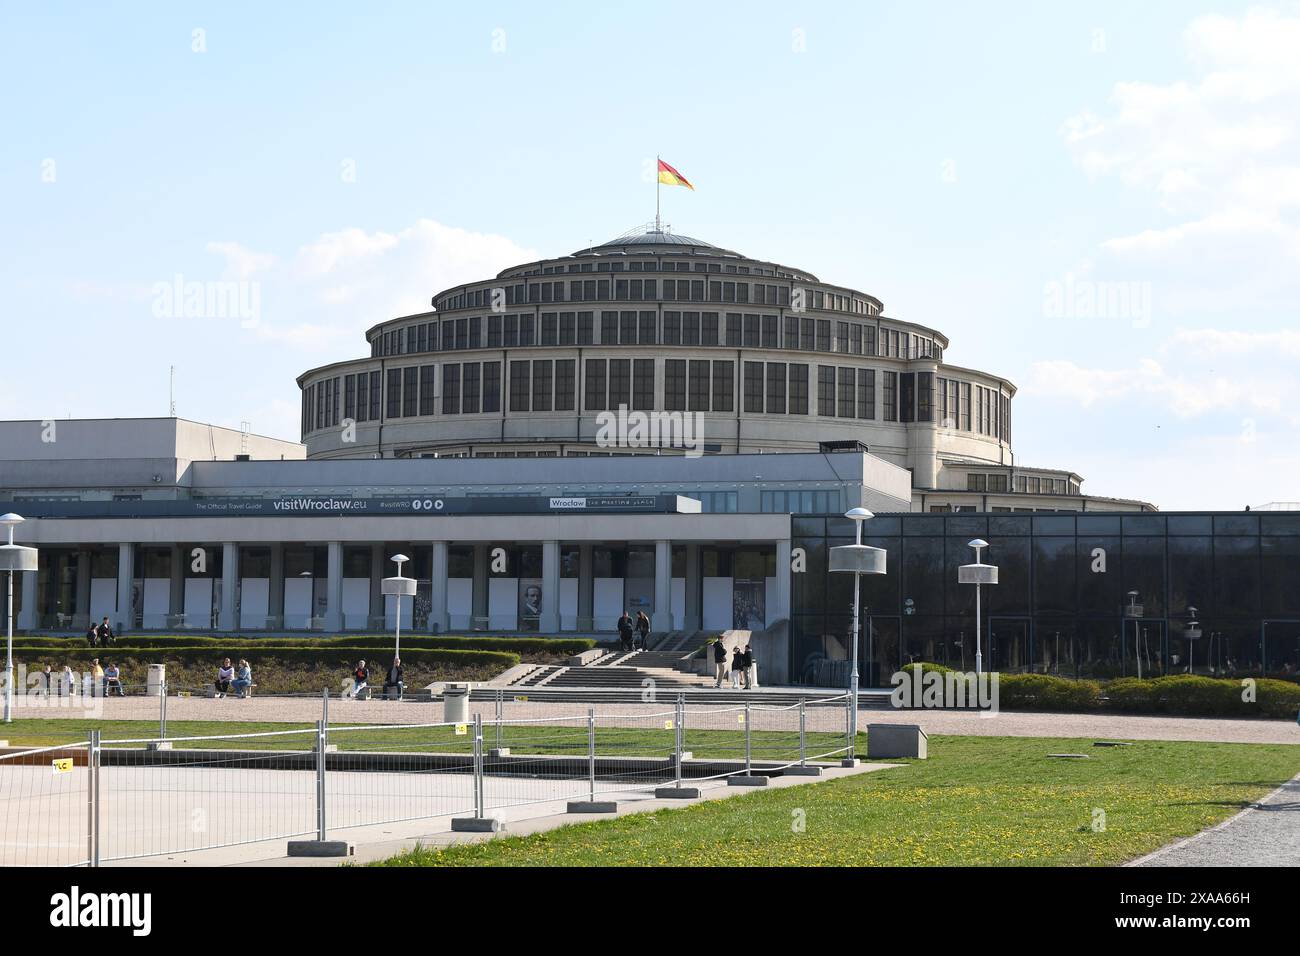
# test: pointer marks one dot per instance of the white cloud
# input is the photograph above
(241, 263)
(1219, 153)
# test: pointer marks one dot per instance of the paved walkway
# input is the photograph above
(1266, 833)
(1004, 724)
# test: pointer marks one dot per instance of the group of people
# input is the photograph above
(237, 679)
(741, 670)
(101, 679)
(392, 681)
(628, 626)
(100, 635)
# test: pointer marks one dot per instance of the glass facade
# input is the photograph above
(1059, 607)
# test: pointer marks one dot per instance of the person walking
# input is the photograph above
(48, 676)
(643, 628)
(625, 632)
(751, 668)
(720, 661)
(92, 635)
(225, 674)
(106, 635)
(740, 668)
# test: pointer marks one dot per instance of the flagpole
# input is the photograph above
(657, 161)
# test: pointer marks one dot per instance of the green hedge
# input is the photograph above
(1182, 694)
(242, 643)
(338, 655)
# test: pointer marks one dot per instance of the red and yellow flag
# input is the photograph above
(671, 177)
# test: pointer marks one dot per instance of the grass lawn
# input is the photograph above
(976, 801)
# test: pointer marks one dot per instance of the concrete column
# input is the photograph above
(334, 588)
(228, 620)
(480, 595)
(662, 619)
(550, 618)
(780, 609)
(125, 584)
(176, 580)
(438, 621)
(586, 588)
(694, 585)
(275, 587)
(377, 560)
(27, 616)
(83, 588)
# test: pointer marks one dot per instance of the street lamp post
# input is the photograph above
(978, 574)
(856, 559)
(1192, 635)
(1134, 611)
(399, 587)
(13, 557)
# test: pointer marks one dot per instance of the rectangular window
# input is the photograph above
(906, 396)
(823, 335)
(798, 389)
(609, 328)
(394, 393)
(807, 332)
(627, 328)
(889, 396)
(855, 339)
(733, 329)
(410, 392)
(595, 394)
(541, 385)
(965, 406)
(494, 332)
(585, 324)
(841, 336)
(925, 396)
(519, 386)
(753, 392)
(691, 328)
(752, 332)
(363, 396)
(564, 385)
(375, 386)
(675, 385)
(977, 483)
(698, 397)
(709, 328)
(724, 386)
(491, 386)
(791, 332)
(643, 385)
(550, 328)
(475, 332)
(526, 330)
(646, 322)
(349, 396)
(469, 388)
(847, 393)
(451, 389)
(620, 383)
(428, 397)
(672, 328)
(512, 331)
(769, 332)
(775, 388)
(826, 390)
(866, 393)
(568, 331)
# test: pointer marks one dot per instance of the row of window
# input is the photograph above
(546, 385)
(645, 327)
(965, 407)
(639, 289)
(1025, 484)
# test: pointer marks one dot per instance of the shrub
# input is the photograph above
(1277, 698)
(1046, 692)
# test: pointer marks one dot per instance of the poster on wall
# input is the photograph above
(748, 600)
(530, 604)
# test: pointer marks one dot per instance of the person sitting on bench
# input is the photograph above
(361, 681)
(225, 674)
(113, 681)
(243, 679)
(394, 678)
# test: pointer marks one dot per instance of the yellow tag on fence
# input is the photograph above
(668, 725)
(184, 693)
(61, 765)
(740, 718)
(462, 730)
(521, 700)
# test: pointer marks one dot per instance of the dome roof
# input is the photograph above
(644, 238)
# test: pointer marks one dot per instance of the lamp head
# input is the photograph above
(858, 514)
(977, 543)
(11, 519)
(399, 558)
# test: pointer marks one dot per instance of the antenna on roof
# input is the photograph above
(171, 392)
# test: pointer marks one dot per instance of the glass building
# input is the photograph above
(1060, 604)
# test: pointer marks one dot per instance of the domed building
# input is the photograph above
(766, 358)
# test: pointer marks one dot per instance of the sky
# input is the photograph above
(1099, 202)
